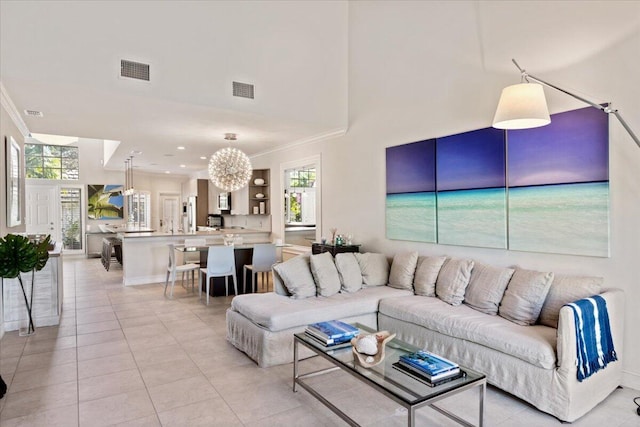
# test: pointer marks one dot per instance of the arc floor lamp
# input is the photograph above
(524, 106)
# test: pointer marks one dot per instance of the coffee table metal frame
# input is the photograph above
(299, 379)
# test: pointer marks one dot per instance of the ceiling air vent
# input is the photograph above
(243, 90)
(33, 113)
(134, 70)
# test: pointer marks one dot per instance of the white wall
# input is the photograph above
(414, 73)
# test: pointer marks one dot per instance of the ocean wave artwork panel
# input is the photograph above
(563, 219)
(411, 216)
(473, 218)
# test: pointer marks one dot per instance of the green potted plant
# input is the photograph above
(18, 255)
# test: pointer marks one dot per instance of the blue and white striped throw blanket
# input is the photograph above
(593, 336)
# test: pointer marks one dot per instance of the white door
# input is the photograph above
(170, 217)
(42, 210)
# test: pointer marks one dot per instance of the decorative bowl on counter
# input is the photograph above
(259, 196)
(258, 181)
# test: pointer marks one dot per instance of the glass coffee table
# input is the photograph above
(408, 392)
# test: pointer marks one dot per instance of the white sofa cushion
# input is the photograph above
(533, 344)
(486, 287)
(349, 271)
(296, 276)
(325, 274)
(403, 269)
(565, 289)
(525, 294)
(427, 270)
(276, 312)
(374, 268)
(453, 280)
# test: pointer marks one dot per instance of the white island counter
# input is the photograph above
(145, 255)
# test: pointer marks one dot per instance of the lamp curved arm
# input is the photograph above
(605, 107)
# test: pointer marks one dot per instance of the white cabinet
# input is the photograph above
(47, 296)
(240, 202)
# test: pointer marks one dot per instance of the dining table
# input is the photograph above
(243, 254)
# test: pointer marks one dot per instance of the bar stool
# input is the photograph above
(264, 257)
(173, 269)
(111, 247)
(221, 262)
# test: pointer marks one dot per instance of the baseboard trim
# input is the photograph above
(631, 380)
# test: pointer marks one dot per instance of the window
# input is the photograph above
(51, 161)
(138, 209)
(71, 219)
(300, 196)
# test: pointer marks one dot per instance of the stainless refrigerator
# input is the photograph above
(189, 217)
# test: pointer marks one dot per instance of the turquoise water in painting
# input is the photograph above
(411, 216)
(473, 218)
(565, 219)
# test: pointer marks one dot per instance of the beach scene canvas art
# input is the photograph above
(538, 190)
(471, 194)
(559, 185)
(411, 197)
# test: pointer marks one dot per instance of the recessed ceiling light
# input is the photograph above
(167, 172)
(203, 158)
(183, 166)
(136, 152)
(181, 148)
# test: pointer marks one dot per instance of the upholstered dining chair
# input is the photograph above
(221, 262)
(264, 257)
(173, 269)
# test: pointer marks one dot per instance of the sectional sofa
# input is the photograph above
(509, 323)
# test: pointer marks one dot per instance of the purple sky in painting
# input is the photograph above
(411, 167)
(573, 148)
(471, 160)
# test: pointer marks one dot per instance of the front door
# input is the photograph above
(42, 210)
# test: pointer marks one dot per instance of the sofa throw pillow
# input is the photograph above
(427, 270)
(296, 276)
(278, 285)
(453, 280)
(525, 294)
(565, 289)
(486, 287)
(349, 271)
(403, 269)
(374, 268)
(325, 274)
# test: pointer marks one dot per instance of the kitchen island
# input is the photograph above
(145, 255)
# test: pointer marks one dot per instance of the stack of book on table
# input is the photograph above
(428, 368)
(333, 333)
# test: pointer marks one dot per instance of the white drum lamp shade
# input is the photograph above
(522, 106)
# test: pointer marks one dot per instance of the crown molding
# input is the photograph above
(315, 138)
(8, 105)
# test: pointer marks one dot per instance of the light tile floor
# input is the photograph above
(130, 357)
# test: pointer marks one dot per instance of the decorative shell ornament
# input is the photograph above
(368, 350)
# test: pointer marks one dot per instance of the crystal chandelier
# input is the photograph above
(229, 168)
